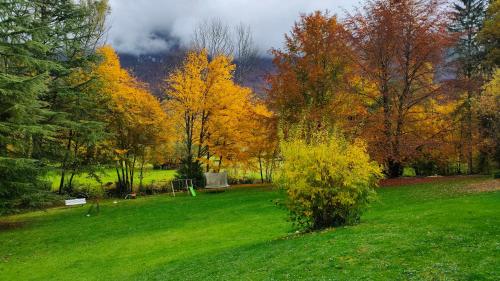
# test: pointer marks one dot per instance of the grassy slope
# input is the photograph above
(419, 232)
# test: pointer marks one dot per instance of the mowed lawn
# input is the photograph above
(109, 175)
(446, 230)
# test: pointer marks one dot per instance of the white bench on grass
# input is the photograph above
(77, 201)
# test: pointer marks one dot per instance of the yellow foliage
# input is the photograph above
(136, 120)
(137, 117)
(212, 113)
(328, 180)
(490, 100)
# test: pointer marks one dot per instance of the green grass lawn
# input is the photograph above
(416, 232)
(109, 175)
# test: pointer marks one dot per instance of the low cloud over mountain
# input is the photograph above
(140, 27)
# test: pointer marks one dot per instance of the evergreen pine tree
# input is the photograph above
(47, 50)
(24, 77)
(467, 20)
(73, 95)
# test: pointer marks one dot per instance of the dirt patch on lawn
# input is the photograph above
(6, 225)
(417, 180)
(484, 186)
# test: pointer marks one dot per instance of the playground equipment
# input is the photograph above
(213, 181)
(216, 180)
(132, 195)
(183, 184)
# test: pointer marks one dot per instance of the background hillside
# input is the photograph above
(153, 68)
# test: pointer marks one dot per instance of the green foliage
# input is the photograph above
(328, 180)
(190, 169)
(467, 21)
(23, 79)
(409, 172)
(47, 49)
(426, 167)
(74, 95)
(21, 187)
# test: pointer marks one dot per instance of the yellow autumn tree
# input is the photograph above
(195, 93)
(212, 112)
(229, 130)
(489, 125)
(263, 141)
(136, 119)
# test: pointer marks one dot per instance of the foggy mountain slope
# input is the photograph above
(154, 68)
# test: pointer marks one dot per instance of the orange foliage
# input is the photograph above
(314, 71)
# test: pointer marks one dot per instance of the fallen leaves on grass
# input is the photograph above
(483, 186)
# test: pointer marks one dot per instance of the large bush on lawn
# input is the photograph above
(329, 181)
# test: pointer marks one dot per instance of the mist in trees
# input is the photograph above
(219, 38)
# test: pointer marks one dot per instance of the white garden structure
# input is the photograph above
(216, 180)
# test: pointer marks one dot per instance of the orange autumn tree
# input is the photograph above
(399, 46)
(136, 119)
(312, 82)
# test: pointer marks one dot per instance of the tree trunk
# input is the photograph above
(395, 166)
(204, 119)
(127, 176)
(141, 175)
(271, 169)
(132, 172)
(260, 166)
(124, 177)
(387, 146)
(208, 161)
(64, 163)
(120, 182)
(70, 185)
(220, 164)
(470, 169)
(61, 182)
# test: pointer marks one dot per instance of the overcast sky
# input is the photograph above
(134, 24)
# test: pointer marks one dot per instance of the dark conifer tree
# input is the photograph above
(467, 20)
(24, 78)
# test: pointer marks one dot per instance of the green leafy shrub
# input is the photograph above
(409, 172)
(328, 180)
